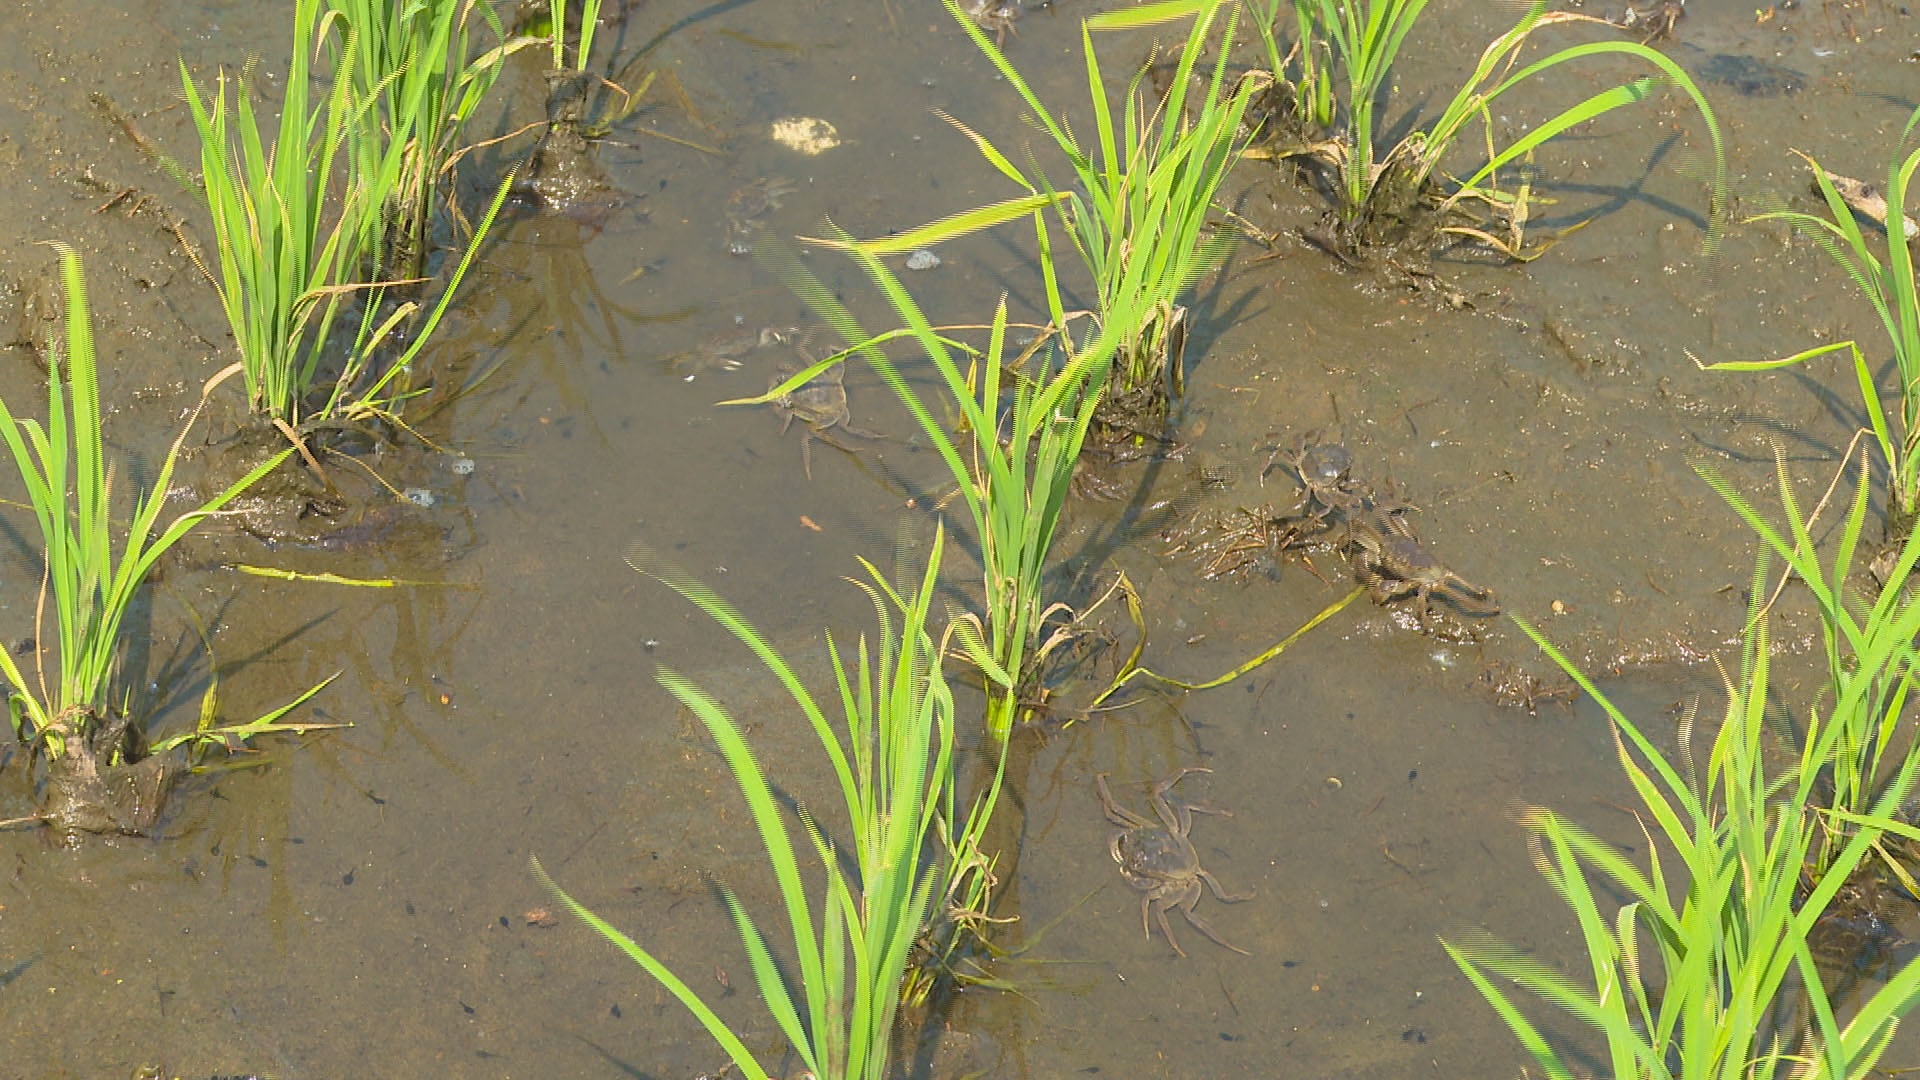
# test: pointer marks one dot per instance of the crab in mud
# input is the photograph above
(820, 404)
(1392, 563)
(1157, 859)
(747, 209)
(994, 16)
(1656, 23)
(1325, 473)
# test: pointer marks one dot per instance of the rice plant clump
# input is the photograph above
(287, 261)
(1765, 852)
(1137, 209)
(304, 278)
(893, 769)
(1706, 969)
(416, 79)
(1334, 84)
(100, 776)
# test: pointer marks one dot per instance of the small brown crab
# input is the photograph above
(747, 208)
(1656, 23)
(1393, 563)
(1159, 861)
(994, 16)
(820, 404)
(1324, 471)
(725, 352)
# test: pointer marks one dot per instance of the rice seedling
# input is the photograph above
(1013, 461)
(894, 775)
(1733, 989)
(1856, 751)
(1136, 211)
(1336, 77)
(289, 264)
(558, 12)
(89, 740)
(285, 264)
(415, 80)
(1889, 284)
(1765, 850)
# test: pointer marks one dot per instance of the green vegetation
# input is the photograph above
(1336, 78)
(410, 72)
(557, 19)
(1729, 935)
(289, 264)
(894, 776)
(284, 269)
(1890, 286)
(1137, 209)
(1013, 460)
(76, 721)
(1854, 753)
(1763, 860)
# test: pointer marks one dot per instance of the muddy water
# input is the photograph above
(358, 903)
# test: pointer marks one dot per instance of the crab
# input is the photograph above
(1324, 471)
(995, 16)
(747, 208)
(725, 352)
(1157, 859)
(1656, 22)
(1393, 563)
(820, 404)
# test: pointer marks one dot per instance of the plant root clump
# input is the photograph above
(565, 175)
(378, 492)
(102, 782)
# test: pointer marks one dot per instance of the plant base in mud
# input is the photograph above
(1128, 424)
(90, 787)
(565, 171)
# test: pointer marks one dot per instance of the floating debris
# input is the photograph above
(922, 260)
(807, 135)
(419, 496)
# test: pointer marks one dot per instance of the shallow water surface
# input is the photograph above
(359, 904)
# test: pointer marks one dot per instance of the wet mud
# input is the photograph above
(356, 902)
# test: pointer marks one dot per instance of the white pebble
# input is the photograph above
(922, 260)
(462, 466)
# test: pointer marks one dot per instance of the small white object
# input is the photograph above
(922, 260)
(462, 466)
(807, 135)
(419, 496)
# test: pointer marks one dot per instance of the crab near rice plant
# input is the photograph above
(1136, 211)
(1890, 285)
(894, 775)
(88, 738)
(1336, 78)
(1733, 990)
